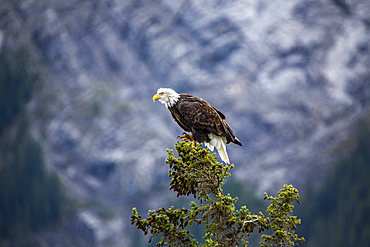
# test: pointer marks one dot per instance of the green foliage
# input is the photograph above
(15, 85)
(249, 198)
(196, 172)
(282, 224)
(30, 197)
(338, 214)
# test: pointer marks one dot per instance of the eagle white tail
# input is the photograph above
(220, 144)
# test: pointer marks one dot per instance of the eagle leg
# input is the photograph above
(186, 136)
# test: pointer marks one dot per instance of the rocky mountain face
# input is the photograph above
(290, 76)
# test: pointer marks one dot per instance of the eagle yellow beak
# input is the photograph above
(156, 96)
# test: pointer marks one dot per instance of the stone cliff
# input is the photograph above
(290, 76)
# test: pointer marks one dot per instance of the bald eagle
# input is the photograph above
(197, 116)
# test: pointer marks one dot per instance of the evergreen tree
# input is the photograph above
(197, 173)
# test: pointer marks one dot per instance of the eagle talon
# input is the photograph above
(186, 136)
(183, 135)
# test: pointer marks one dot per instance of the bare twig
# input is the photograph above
(250, 221)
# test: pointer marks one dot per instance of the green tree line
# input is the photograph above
(16, 83)
(30, 197)
(338, 214)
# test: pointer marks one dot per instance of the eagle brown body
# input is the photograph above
(197, 116)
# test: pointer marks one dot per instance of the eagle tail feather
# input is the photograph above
(220, 144)
(208, 145)
(236, 141)
(223, 154)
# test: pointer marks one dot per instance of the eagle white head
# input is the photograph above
(166, 96)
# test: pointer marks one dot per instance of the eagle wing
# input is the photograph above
(202, 115)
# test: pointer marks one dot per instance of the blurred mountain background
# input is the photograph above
(81, 141)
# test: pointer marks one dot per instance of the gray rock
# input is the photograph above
(290, 76)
